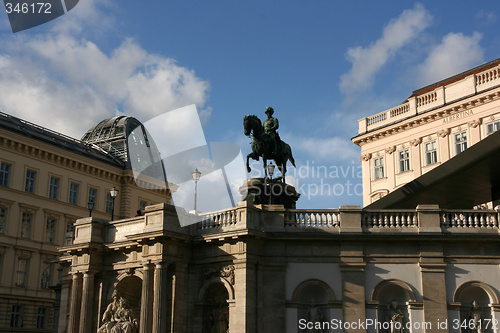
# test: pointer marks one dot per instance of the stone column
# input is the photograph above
(160, 298)
(86, 314)
(353, 294)
(74, 310)
(146, 298)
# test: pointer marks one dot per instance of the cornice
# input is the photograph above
(424, 118)
(58, 159)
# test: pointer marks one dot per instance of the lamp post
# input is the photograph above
(196, 176)
(270, 169)
(91, 206)
(114, 194)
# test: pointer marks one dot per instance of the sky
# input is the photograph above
(321, 65)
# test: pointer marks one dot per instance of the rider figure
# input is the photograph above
(270, 126)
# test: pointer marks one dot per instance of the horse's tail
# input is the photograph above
(292, 159)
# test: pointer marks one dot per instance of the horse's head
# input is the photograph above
(248, 124)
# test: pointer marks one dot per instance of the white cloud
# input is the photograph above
(68, 83)
(367, 61)
(454, 54)
(486, 16)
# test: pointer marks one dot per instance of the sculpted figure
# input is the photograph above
(314, 315)
(474, 319)
(118, 317)
(266, 143)
(108, 318)
(271, 125)
(220, 316)
(395, 317)
(125, 319)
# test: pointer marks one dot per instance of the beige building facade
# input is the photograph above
(264, 268)
(432, 126)
(46, 182)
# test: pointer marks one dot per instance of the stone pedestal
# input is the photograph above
(269, 192)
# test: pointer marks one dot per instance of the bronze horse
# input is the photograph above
(262, 146)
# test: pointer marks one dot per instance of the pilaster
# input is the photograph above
(434, 291)
(353, 294)
(179, 298)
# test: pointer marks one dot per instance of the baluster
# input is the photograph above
(329, 219)
(385, 220)
(493, 220)
(391, 220)
(398, 220)
(481, 221)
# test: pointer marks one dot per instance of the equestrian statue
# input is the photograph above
(267, 143)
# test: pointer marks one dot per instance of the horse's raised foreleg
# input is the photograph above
(254, 156)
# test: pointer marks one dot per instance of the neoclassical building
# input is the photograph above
(46, 183)
(414, 263)
(430, 127)
(264, 268)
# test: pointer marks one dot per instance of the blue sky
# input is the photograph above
(320, 64)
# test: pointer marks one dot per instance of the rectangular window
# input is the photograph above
(30, 181)
(46, 275)
(460, 142)
(109, 204)
(26, 223)
(492, 127)
(15, 316)
(404, 160)
(4, 174)
(22, 272)
(73, 193)
(70, 232)
(51, 229)
(41, 319)
(54, 188)
(378, 167)
(430, 152)
(93, 196)
(3, 219)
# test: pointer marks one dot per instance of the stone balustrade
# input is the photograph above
(435, 98)
(161, 219)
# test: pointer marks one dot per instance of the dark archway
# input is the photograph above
(215, 309)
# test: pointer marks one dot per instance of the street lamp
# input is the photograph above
(270, 169)
(196, 176)
(91, 206)
(113, 193)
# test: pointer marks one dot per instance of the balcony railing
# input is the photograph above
(244, 218)
(454, 91)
